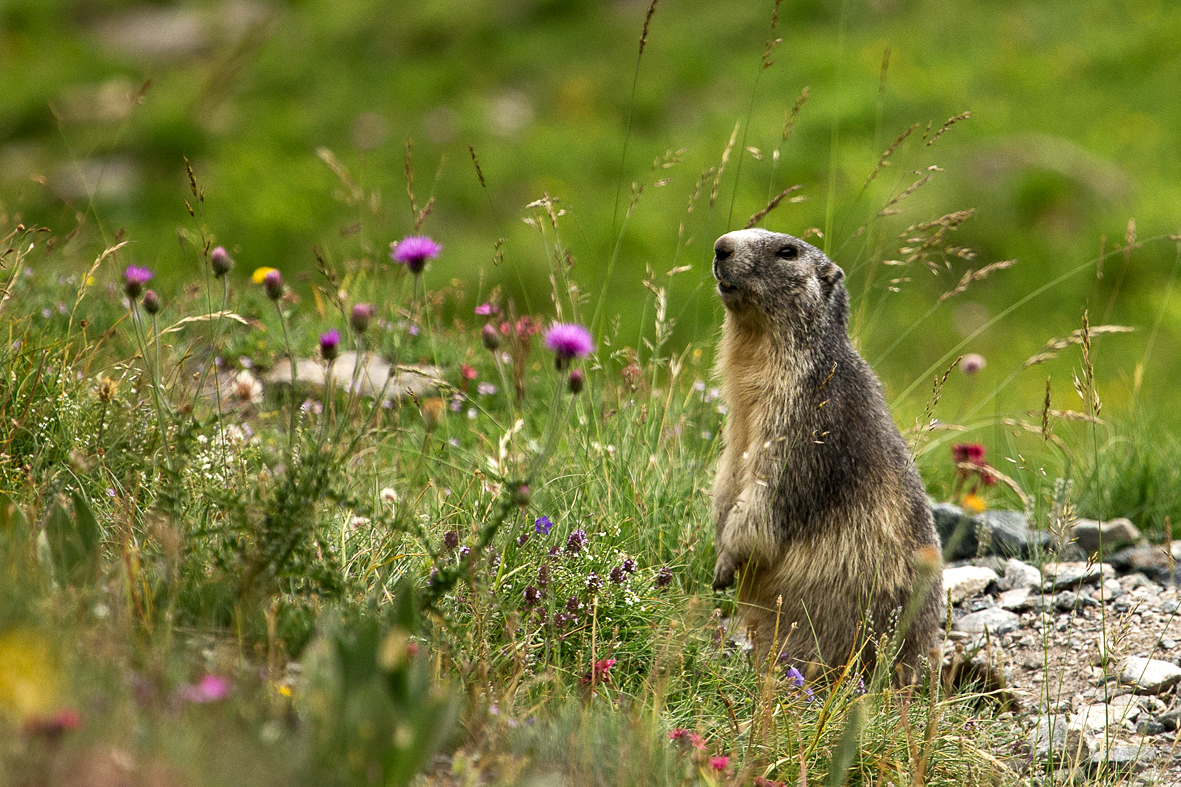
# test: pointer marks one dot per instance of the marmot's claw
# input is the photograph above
(723, 573)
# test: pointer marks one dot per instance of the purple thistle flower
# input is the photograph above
(413, 251)
(134, 279)
(542, 525)
(568, 341)
(330, 344)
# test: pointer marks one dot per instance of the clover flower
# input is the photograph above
(968, 452)
(330, 345)
(413, 251)
(134, 279)
(599, 673)
(568, 341)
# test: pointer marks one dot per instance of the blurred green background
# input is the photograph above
(1075, 128)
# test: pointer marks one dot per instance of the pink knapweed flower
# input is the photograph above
(330, 344)
(413, 251)
(220, 262)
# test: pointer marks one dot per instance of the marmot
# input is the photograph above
(816, 499)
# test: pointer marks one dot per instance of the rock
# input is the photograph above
(1016, 600)
(1092, 719)
(995, 620)
(1048, 740)
(1171, 720)
(1121, 759)
(1112, 534)
(1069, 601)
(1151, 561)
(1149, 676)
(1002, 533)
(417, 381)
(1108, 591)
(1060, 576)
(967, 581)
(955, 534)
(1019, 575)
(1132, 581)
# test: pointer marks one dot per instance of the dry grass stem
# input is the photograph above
(772, 42)
(884, 160)
(1054, 346)
(947, 125)
(770, 206)
(647, 22)
(476, 163)
(713, 194)
(975, 276)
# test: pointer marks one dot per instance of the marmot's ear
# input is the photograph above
(830, 273)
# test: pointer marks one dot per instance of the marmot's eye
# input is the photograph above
(788, 252)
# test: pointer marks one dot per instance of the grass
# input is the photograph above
(503, 580)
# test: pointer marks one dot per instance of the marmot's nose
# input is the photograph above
(723, 247)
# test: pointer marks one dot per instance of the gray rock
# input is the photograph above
(955, 534)
(1017, 600)
(1092, 719)
(1060, 576)
(1170, 720)
(1122, 759)
(1054, 740)
(1019, 575)
(995, 620)
(372, 376)
(967, 581)
(1002, 533)
(1112, 534)
(1149, 676)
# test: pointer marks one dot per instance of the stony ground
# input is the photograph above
(1088, 651)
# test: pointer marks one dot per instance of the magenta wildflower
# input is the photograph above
(211, 688)
(413, 251)
(968, 452)
(362, 314)
(719, 763)
(220, 261)
(134, 279)
(330, 345)
(568, 341)
(599, 673)
(484, 309)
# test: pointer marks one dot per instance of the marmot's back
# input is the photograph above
(821, 516)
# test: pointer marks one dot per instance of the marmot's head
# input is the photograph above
(768, 276)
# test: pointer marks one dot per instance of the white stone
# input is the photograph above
(1020, 575)
(967, 581)
(1149, 676)
(995, 620)
(1068, 575)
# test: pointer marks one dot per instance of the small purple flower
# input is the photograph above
(451, 539)
(532, 595)
(568, 341)
(413, 251)
(593, 582)
(211, 688)
(220, 261)
(330, 345)
(134, 279)
(464, 552)
(629, 566)
(575, 541)
(617, 576)
(272, 283)
(543, 525)
(522, 539)
(795, 676)
(485, 389)
(554, 551)
(362, 314)
(544, 575)
(664, 578)
(573, 604)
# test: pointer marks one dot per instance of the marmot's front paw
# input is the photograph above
(724, 571)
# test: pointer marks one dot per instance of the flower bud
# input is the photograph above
(362, 314)
(491, 338)
(273, 284)
(151, 302)
(330, 345)
(220, 261)
(576, 381)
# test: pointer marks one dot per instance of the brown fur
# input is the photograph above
(821, 517)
